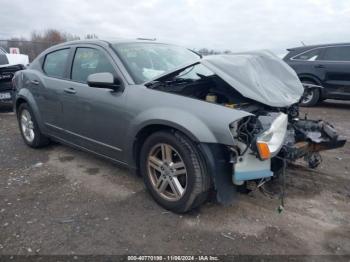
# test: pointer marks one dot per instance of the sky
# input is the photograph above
(236, 25)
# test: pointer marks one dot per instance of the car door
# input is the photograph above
(336, 65)
(48, 88)
(308, 63)
(94, 117)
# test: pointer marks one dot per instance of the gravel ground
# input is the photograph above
(59, 200)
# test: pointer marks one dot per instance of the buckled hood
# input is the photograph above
(260, 75)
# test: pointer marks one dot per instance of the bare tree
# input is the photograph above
(91, 36)
(38, 41)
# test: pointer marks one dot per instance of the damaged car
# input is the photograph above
(188, 124)
(9, 65)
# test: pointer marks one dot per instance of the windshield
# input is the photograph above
(145, 61)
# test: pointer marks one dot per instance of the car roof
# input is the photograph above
(306, 47)
(104, 42)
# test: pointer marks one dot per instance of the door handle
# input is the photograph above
(320, 66)
(70, 90)
(35, 82)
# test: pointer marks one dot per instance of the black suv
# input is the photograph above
(324, 68)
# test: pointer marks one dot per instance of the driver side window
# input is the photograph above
(89, 61)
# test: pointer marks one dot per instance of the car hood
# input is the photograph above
(260, 76)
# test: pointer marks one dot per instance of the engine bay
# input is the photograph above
(304, 138)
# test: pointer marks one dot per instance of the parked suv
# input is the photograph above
(188, 124)
(325, 69)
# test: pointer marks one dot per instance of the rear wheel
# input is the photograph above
(173, 171)
(311, 96)
(29, 127)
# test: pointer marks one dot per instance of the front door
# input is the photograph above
(94, 117)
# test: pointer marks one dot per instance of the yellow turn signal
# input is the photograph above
(263, 150)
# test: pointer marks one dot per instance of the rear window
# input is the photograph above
(311, 55)
(340, 53)
(56, 62)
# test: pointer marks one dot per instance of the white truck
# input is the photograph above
(9, 64)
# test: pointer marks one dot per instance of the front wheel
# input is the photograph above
(174, 172)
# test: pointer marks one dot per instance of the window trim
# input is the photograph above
(65, 77)
(307, 51)
(322, 54)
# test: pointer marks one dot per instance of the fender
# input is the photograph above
(310, 77)
(178, 119)
(26, 95)
(188, 123)
(315, 79)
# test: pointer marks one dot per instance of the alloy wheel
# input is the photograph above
(167, 172)
(27, 126)
(308, 96)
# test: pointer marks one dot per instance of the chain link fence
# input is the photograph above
(30, 48)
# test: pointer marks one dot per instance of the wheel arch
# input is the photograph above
(215, 157)
(147, 130)
(19, 101)
(24, 96)
(307, 77)
(314, 79)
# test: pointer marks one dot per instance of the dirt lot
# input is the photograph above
(59, 200)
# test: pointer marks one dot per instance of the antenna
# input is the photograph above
(147, 39)
(302, 43)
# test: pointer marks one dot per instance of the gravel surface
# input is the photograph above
(60, 200)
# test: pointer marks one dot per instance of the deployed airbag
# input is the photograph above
(259, 75)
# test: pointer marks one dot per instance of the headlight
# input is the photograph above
(270, 141)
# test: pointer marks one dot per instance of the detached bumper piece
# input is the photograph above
(308, 137)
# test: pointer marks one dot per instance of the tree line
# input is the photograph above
(39, 41)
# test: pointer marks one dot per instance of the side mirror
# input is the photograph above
(104, 80)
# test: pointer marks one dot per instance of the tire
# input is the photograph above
(313, 96)
(30, 130)
(195, 183)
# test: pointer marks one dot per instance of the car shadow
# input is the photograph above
(335, 104)
(5, 108)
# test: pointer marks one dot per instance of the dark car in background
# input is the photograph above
(324, 69)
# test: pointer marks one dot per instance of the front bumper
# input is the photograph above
(309, 137)
(304, 139)
(6, 92)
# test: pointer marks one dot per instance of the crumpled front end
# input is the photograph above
(264, 141)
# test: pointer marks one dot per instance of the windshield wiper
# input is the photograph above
(154, 84)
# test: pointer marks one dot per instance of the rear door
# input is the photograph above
(48, 88)
(336, 66)
(307, 63)
(94, 117)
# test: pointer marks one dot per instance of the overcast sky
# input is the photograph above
(222, 24)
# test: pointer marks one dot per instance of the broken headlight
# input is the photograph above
(271, 140)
